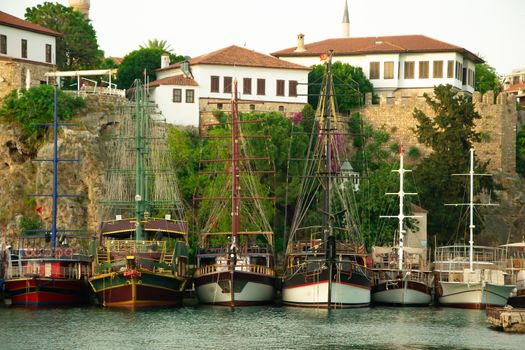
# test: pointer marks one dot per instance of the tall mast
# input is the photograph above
(471, 209)
(54, 195)
(235, 166)
(139, 161)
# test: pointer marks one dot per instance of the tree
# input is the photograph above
(350, 83)
(450, 134)
(486, 79)
(157, 44)
(139, 61)
(77, 48)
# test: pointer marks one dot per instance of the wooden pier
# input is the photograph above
(507, 318)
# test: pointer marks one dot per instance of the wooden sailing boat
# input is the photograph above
(141, 261)
(235, 266)
(325, 262)
(408, 283)
(470, 276)
(46, 270)
(516, 271)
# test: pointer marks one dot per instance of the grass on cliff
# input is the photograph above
(29, 107)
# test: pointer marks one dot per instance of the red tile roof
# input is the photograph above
(515, 87)
(239, 56)
(378, 44)
(15, 22)
(175, 80)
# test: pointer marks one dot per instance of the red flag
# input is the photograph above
(212, 221)
(401, 149)
(323, 57)
(39, 210)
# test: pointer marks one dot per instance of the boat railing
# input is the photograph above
(124, 246)
(316, 246)
(405, 275)
(461, 253)
(257, 269)
(46, 270)
(243, 249)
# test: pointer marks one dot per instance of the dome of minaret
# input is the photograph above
(81, 6)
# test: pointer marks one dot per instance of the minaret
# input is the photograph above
(346, 22)
(81, 6)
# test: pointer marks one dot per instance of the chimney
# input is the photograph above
(164, 60)
(300, 43)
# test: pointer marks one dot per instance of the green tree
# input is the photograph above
(139, 61)
(350, 84)
(520, 152)
(77, 48)
(36, 106)
(486, 79)
(157, 44)
(450, 133)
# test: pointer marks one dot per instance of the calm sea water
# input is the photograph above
(204, 327)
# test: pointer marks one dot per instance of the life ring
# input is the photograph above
(29, 252)
(68, 252)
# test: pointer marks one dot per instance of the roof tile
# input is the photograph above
(174, 80)
(12, 21)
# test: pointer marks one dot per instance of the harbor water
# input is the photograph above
(206, 327)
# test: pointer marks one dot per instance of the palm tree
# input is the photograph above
(157, 44)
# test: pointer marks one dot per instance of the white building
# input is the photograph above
(514, 84)
(27, 52)
(407, 63)
(183, 91)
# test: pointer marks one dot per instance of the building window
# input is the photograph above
(464, 76)
(214, 84)
(24, 48)
(177, 95)
(470, 77)
(389, 70)
(280, 88)
(409, 69)
(219, 105)
(227, 85)
(281, 108)
(515, 79)
(48, 53)
(3, 44)
(292, 88)
(459, 71)
(374, 70)
(450, 69)
(252, 107)
(261, 87)
(190, 95)
(423, 69)
(247, 86)
(437, 69)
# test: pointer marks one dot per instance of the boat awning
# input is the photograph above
(514, 245)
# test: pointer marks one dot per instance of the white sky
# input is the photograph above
(491, 28)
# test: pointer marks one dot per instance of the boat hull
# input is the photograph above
(42, 291)
(348, 290)
(248, 288)
(402, 293)
(131, 291)
(473, 295)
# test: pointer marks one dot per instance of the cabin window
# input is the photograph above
(214, 83)
(409, 69)
(423, 69)
(280, 88)
(292, 88)
(247, 86)
(389, 70)
(261, 87)
(450, 69)
(3, 44)
(190, 95)
(374, 70)
(177, 95)
(24, 48)
(227, 85)
(48, 53)
(437, 69)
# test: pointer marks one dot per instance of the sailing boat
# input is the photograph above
(45, 270)
(471, 276)
(235, 266)
(408, 283)
(141, 261)
(324, 267)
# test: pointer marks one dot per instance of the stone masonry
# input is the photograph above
(13, 74)
(498, 125)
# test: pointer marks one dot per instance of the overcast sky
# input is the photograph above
(491, 28)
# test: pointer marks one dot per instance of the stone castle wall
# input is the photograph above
(498, 125)
(13, 74)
